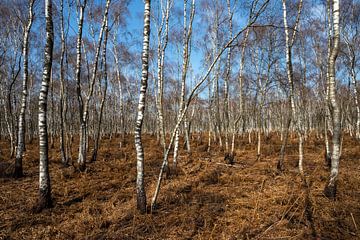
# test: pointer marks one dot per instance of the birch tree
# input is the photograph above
(103, 93)
(44, 176)
(254, 13)
(21, 124)
(63, 103)
(351, 37)
(289, 42)
(81, 158)
(84, 102)
(187, 31)
(140, 186)
(163, 38)
(331, 186)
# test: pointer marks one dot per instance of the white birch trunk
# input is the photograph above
(140, 187)
(62, 106)
(85, 105)
(290, 75)
(103, 99)
(331, 187)
(186, 56)
(44, 177)
(21, 124)
(183, 113)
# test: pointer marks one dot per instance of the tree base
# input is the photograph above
(327, 159)
(44, 202)
(65, 164)
(82, 167)
(330, 191)
(93, 157)
(141, 204)
(280, 166)
(229, 158)
(18, 172)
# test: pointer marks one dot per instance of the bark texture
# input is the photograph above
(140, 187)
(44, 176)
(21, 124)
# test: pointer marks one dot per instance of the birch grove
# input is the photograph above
(224, 78)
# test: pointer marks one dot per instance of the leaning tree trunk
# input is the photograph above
(140, 187)
(44, 176)
(85, 105)
(162, 44)
(331, 187)
(21, 124)
(186, 56)
(97, 134)
(186, 107)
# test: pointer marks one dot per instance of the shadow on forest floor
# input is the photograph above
(205, 199)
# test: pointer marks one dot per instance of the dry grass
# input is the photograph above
(207, 199)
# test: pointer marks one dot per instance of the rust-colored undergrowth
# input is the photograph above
(206, 199)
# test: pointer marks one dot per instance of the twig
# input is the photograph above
(352, 217)
(271, 226)
(228, 165)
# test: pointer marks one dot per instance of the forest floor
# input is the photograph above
(206, 199)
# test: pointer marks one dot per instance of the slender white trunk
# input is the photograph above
(140, 187)
(81, 157)
(84, 106)
(62, 108)
(44, 176)
(330, 189)
(186, 107)
(240, 118)
(162, 44)
(226, 82)
(289, 43)
(103, 99)
(186, 57)
(21, 124)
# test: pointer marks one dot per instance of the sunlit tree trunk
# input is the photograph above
(44, 177)
(140, 187)
(81, 158)
(328, 124)
(162, 44)
(84, 105)
(103, 99)
(331, 187)
(188, 102)
(120, 87)
(21, 124)
(186, 57)
(62, 106)
(289, 43)
(241, 118)
(352, 71)
(226, 83)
